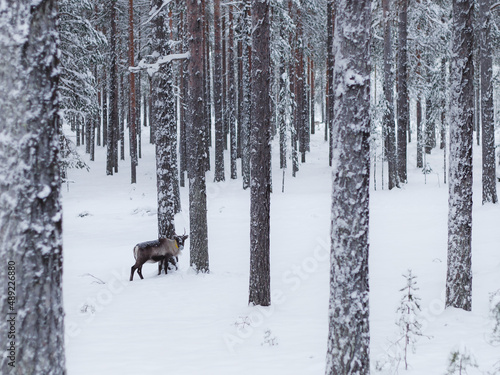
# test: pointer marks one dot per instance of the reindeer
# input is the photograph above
(156, 251)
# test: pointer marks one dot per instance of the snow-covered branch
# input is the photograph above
(154, 67)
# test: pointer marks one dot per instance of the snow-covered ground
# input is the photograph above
(184, 323)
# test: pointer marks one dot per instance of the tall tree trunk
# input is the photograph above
(420, 135)
(330, 63)
(196, 134)
(231, 95)
(219, 125)
(165, 125)
(30, 184)
(113, 94)
(260, 187)
(132, 102)
(403, 107)
(105, 98)
(312, 99)
(349, 335)
(247, 95)
(487, 120)
(459, 275)
(389, 124)
(184, 97)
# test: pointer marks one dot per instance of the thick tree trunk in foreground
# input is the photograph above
(459, 275)
(349, 336)
(197, 141)
(30, 208)
(165, 127)
(260, 186)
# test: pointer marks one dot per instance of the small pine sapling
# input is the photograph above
(460, 359)
(408, 320)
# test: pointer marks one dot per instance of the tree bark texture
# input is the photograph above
(30, 184)
(403, 106)
(349, 336)
(197, 141)
(165, 124)
(389, 124)
(260, 186)
(487, 113)
(219, 125)
(459, 275)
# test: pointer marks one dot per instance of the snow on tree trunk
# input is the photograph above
(112, 129)
(197, 141)
(349, 337)
(330, 62)
(459, 275)
(260, 164)
(403, 107)
(487, 118)
(132, 99)
(247, 95)
(389, 123)
(30, 208)
(231, 95)
(165, 125)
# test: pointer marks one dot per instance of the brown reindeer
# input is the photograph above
(156, 251)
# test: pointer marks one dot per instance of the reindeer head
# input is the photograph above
(180, 240)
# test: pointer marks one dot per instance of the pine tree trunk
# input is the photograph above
(487, 120)
(30, 184)
(459, 275)
(166, 127)
(196, 135)
(260, 193)
(420, 135)
(403, 107)
(219, 125)
(349, 336)
(247, 96)
(231, 95)
(389, 123)
(113, 94)
(132, 101)
(330, 63)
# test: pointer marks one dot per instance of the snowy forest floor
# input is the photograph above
(184, 323)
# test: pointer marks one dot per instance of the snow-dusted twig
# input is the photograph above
(154, 67)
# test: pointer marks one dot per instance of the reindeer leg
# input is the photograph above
(132, 272)
(159, 266)
(139, 271)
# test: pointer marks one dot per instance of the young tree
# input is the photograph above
(487, 108)
(349, 336)
(197, 139)
(260, 186)
(30, 207)
(403, 106)
(459, 275)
